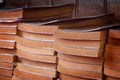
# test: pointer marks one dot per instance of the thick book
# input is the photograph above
(37, 12)
(7, 66)
(81, 66)
(68, 77)
(40, 51)
(5, 77)
(37, 63)
(34, 43)
(37, 37)
(81, 59)
(85, 24)
(36, 57)
(7, 58)
(30, 75)
(36, 70)
(5, 72)
(79, 73)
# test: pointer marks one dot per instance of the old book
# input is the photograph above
(50, 26)
(7, 44)
(7, 37)
(113, 48)
(114, 33)
(35, 36)
(111, 78)
(7, 51)
(79, 43)
(34, 43)
(78, 51)
(37, 12)
(7, 30)
(112, 57)
(4, 77)
(6, 72)
(68, 77)
(111, 72)
(113, 65)
(114, 41)
(29, 75)
(40, 51)
(7, 58)
(86, 21)
(16, 78)
(79, 73)
(81, 59)
(81, 66)
(36, 57)
(76, 34)
(7, 66)
(36, 70)
(37, 63)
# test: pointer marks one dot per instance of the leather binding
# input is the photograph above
(112, 57)
(28, 75)
(35, 13)
(4, 77)
(36, 70)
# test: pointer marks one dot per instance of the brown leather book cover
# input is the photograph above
(40, 51)
(34, 43)
(32, 76)
(81, 66)
(81, 59)
(79, 73)
(35, 36)
(36, 57)
(5, 72)
(7, 30)
(114, 41)
(36, 70)
(37, 12)
(7, 66)
(5, 78)
(37, 63)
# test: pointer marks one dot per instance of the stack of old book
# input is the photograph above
(8, 32)
(8, 28)
(80, 46)
(112, 55)
(36, 57)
